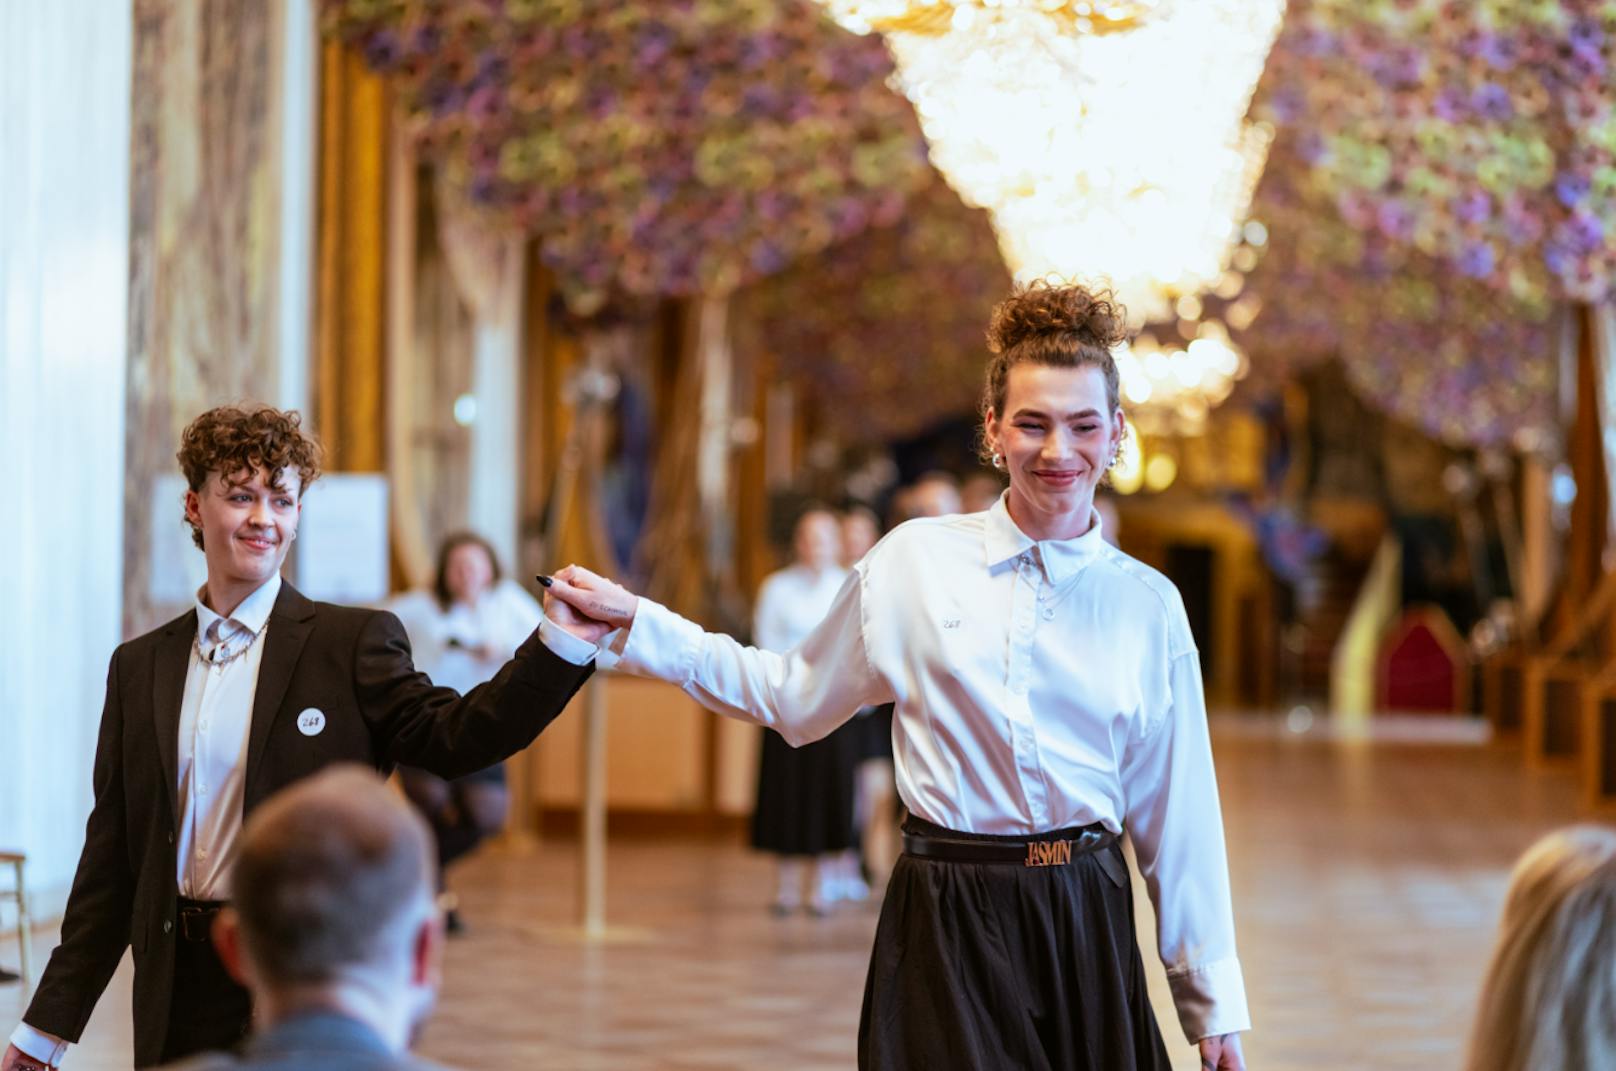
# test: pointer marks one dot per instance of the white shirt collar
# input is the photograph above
(249, 616)
(1059, 558)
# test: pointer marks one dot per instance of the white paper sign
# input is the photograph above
(342, 539)
(177, 566)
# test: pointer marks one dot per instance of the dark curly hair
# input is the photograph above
(1063, 325)
(231, 439)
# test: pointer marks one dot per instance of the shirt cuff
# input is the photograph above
(659, 643)
(46, 1048)
(565, 645)
(1211, 999)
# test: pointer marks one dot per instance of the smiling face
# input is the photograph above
(1057, 435)
(247, 526)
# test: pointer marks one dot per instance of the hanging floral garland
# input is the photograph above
(1481, 134)
(887, 329)
(668, 148)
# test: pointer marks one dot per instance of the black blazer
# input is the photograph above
(352, 664)
(316, 1041)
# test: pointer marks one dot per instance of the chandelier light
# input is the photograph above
(1109, 143)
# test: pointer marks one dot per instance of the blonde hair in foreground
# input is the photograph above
(1549, 999)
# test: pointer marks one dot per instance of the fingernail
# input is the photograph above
(546, 581)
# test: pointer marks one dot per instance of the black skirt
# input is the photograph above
(875, 733)
(1009, 967)
(805, 794)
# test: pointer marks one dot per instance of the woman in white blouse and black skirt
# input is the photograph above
(1048, 697)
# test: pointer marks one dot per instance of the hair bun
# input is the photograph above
(1041, 309)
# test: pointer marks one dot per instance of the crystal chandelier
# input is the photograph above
(1108, 140)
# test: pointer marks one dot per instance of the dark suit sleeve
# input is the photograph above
(95, 927)
(439, 730)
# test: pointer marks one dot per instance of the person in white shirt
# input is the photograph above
(462, 632)
(1048, 697)
(804, 810)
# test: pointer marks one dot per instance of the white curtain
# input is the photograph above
(64, 269)
(1603, 320)
(487, 267)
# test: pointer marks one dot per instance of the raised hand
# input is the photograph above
(17, 1060)
(561, 613)
(592, 597)
(1222, 1053)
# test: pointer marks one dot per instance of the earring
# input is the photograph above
(998, 461)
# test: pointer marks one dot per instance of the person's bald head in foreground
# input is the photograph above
(332, 906)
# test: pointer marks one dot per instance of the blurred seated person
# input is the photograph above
(332, 928)
(1549, 998)
(935, 494)
(462, 632)
(979, 492)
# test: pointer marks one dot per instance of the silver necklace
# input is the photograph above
(232, 656)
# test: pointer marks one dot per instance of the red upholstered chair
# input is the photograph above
(1424, 667)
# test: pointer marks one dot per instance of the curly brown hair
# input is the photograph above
(1063, 325)
(231, 439)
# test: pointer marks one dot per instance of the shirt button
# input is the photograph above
(201, 790)
(1049, 613)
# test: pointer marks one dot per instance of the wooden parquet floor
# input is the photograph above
(1367, 878)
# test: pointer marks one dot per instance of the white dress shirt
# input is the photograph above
(791, 602)
(1038, 686)
(215, 722)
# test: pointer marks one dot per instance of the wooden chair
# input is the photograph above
(1598, 728)
(18, 893)
(1503, 683)
(1553, 683)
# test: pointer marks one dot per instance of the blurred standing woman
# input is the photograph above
(1048, 697)
(804, 809)
(462, 632)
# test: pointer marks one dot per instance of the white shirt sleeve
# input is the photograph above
(802, 694)
(1174, 819)
(46, 1048)
(564, 644)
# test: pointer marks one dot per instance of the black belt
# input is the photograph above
(1033, 852)
(196, 919)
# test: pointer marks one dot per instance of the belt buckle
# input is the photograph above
(1048, 853)
(196, 924)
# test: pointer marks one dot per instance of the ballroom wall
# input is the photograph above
(64, 266)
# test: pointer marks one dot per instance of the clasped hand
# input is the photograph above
(588, 605)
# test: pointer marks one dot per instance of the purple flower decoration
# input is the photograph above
(1477, 260)
(1492, 101)
(1571, 188)
(1450, 106)
(1395, 221)
(1473, 207)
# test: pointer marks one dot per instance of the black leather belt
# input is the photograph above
(196, 919)
(1033, 852)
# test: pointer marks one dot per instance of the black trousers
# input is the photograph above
(1007, 967)
(210, 1012)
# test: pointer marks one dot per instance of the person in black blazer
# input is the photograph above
(210, 714)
